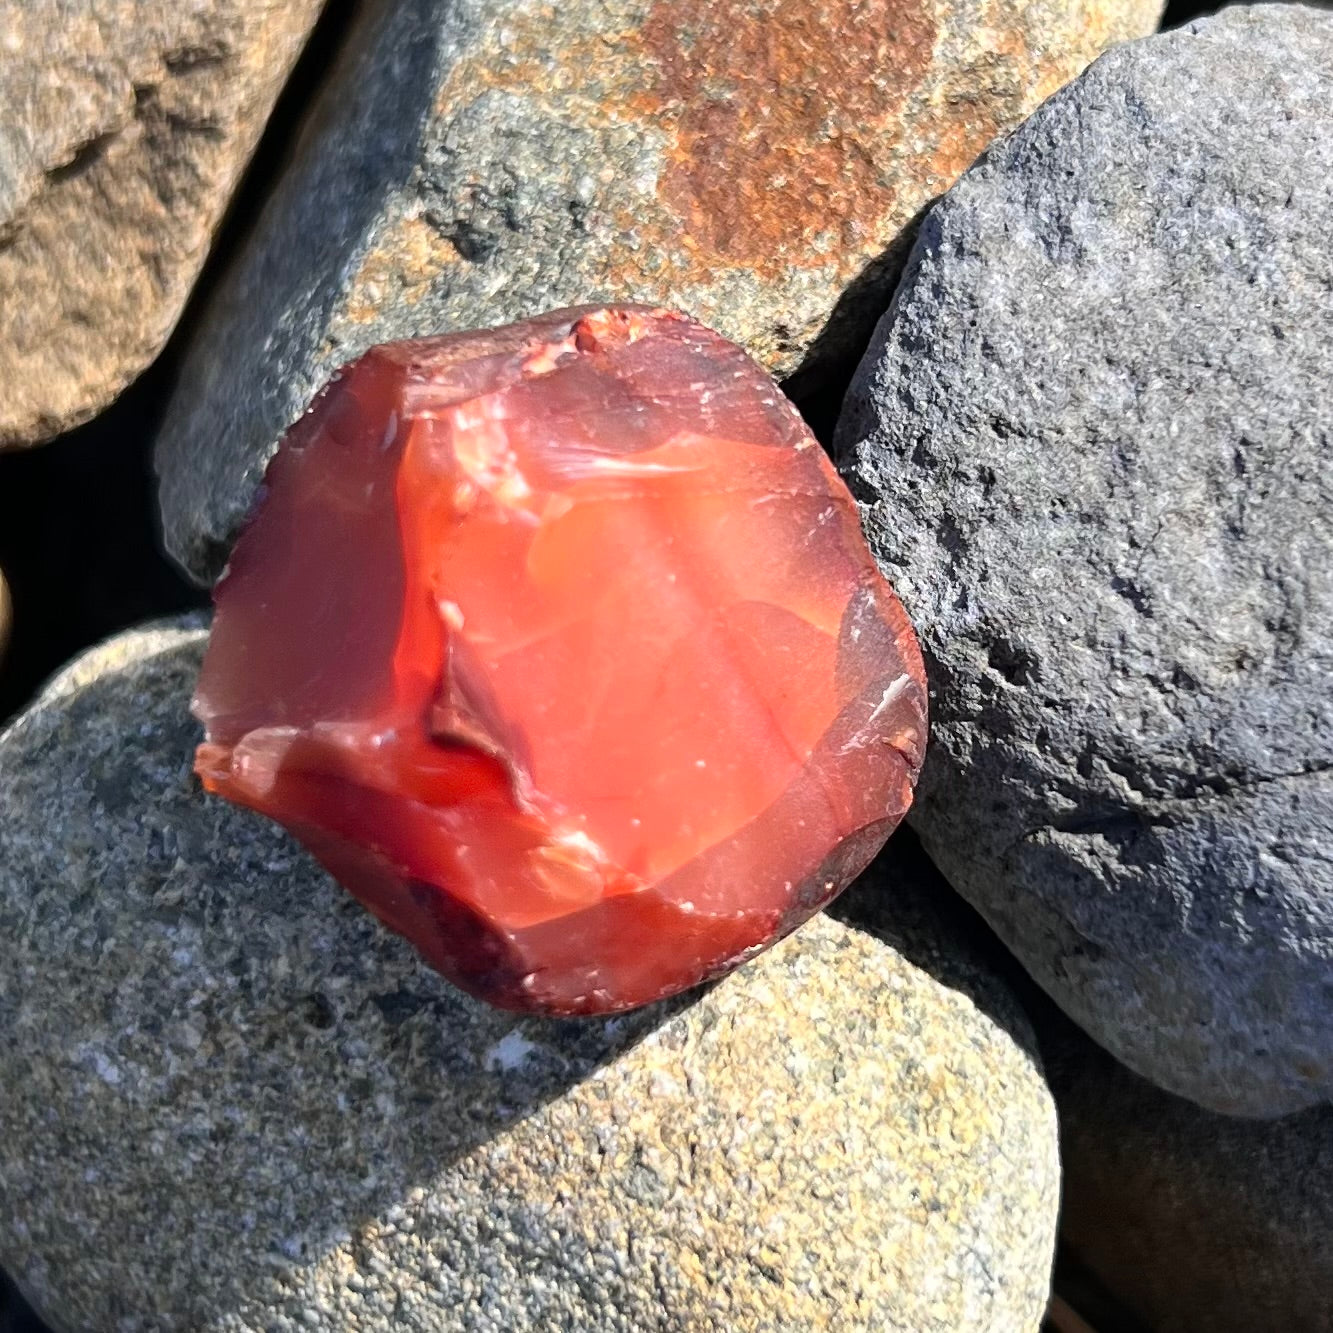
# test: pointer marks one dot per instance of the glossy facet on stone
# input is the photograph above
(560, 646)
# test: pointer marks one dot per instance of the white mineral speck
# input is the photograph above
(510, 1052)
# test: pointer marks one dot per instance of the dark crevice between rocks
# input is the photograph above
(820, 383)
(1180, 12)
(275, 148)
(80, 540)
(1080, 1291)
(16, 1315)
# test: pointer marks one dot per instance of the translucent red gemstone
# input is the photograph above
(559, 645)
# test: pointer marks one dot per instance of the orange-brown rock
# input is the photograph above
(754, 162)
(124, 127)
(560, 646)
(6, 615)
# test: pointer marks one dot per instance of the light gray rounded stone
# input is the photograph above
(1092, 438)
(754, 163)
(230, 1100)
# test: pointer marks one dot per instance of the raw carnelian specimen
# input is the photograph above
(560, 646)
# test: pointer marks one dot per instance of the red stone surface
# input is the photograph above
(559, 645)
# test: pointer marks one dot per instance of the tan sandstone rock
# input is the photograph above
(124, 127)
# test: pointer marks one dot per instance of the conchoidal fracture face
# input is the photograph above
(560, 646)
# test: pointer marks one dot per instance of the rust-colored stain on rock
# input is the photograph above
(746, 160)
(783, 122)
(770, 105)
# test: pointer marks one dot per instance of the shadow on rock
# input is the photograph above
(819, 384)
(904, 901)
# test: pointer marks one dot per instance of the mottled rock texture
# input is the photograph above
(1093, 439)
(124, 127)
(751, 162)
(1193, 1220)
(230, 1100)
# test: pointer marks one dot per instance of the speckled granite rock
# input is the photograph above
(475, 162)
(1093, 438)
(1194, 1220)
(124, 126)
(229, 1100)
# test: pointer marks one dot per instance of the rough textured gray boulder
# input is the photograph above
(1092, 436)
(124, 127)
(230, 1100)
(474, 162)
(1191, 1219)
